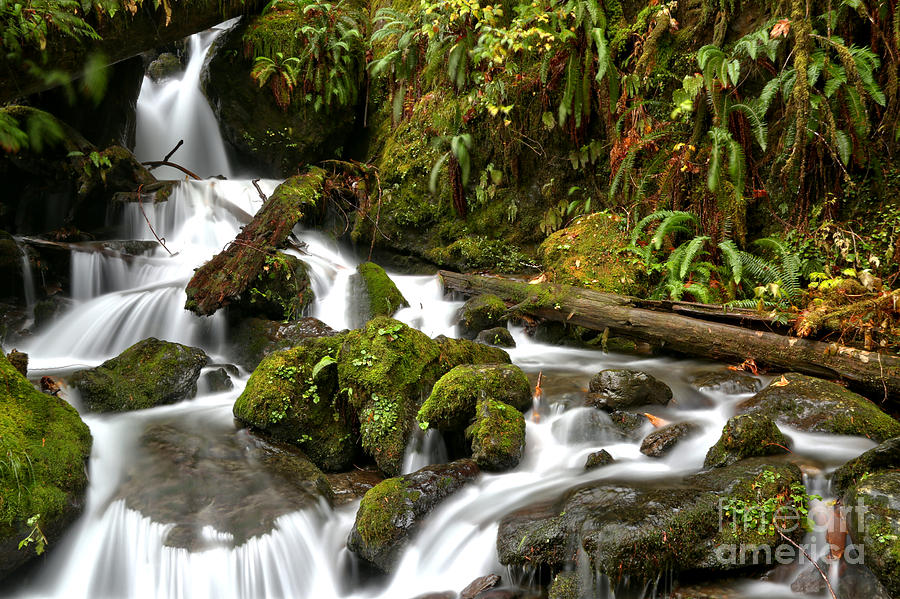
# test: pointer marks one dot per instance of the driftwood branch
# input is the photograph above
(175, 149)
(811, 560)
(152, 164)
(161, 241)
(262, 196)
(870, 371)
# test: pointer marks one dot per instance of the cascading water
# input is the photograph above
(122, 547)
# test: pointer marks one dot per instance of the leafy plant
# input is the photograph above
(459, 164)
(36, 536)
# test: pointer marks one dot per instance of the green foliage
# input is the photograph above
(36, 536)
(763, 513)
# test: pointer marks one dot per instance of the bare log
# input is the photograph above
(878, 374)
(230, 273)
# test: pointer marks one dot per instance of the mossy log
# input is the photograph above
(231, 272)
(877, 374)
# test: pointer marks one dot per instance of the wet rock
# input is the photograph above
(479, 585)
(19, 361)
(193, 474)
(859, 581)
(586, 426)
(463, 351)
(874, 523)
(281, 290)
(149, 373)
(11, 269)
(13, 320)
(217, 381)
(883, 457)
(390, 512)
(353, 484)
(479, 313)
(164, 66)
(638, 530)
(744, 436)
(597, 459)
(255, 338)
(815, 405)
(629, 423)
(729, 382)
(373, 293)
(499, 336)
(662, 440)
(498, 436)
(43, 436)
(451, 405)
(46, 310)
(565, 585)
(620, 388)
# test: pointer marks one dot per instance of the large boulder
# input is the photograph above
(635, 530)
(44, 447)
(255, 338)
(874, 523)
(451, 405)
(392, 510)
(147, 374)
(621, 388)
(745, 436)
(814, 405)
(883, 457)
(479, 313)
(373, 293)
(498, 435)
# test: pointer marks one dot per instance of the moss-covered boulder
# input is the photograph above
(635, 530)
(663, 440)
(255, 338)
(883, 457)
(498, 435)
(281, 290)
(622, 388)
(391, 511)
(373, 293)
(588, 253)
(293, 396)
(44, 447)
(451, 405)
(814, 405)
(874, 523)
(499, 336)
(479, 313)
(463, 351)
(745, 436)
(149, 373)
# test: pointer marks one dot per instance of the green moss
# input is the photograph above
(565, 586)
(744, 436)
(381, 511)
(281, 290)
(498, 435)
(482, 312)
(284, 399)
(463, 351)
(381, 293)
(43, 449)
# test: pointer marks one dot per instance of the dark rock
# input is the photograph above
(498, 436)
(46, 311)
(373, 293)
(616, 389)
(479, 585)
(662, 440)
(390, 512)
(629, 423)
(729, 382)
(217, 381)
(353, 484)
(874, 523)
(597, 459)
(814, 405)
(579, 426)
(859, 581)
(479, 313)
(164, 66)
(149, 373)
(11, 256)
(499, 336)
(744, 436)
(255, 338)
(19, 361)
(884, 457)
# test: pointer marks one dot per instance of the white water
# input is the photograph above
(116, 551)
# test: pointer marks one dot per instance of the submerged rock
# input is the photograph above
(815, 405)
(744, 436)
(352, 485)
(45, 447)
(727, 381)
(498, 435)
(499, 336)
(883, 457)
(373, 293)
(149, 373)
(663, 440)
(255, 338)
(479, 313)
(620, 388)
(588, 426)
(391, 511)
(629, 423)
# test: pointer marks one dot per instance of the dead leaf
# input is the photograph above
(541, 278)
(781, 29)
(656, 421)
(781, 382)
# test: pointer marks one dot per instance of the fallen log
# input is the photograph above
(230, 273)
(877, 374)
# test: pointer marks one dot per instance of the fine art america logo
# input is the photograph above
(829, 523)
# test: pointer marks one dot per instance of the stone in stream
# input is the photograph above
(663, 440)
(729, 382)
(255, 338)
(479, 585)
(874, 523)
(479, 313)
(499, 336)
(217, 380)
(147, 374)
(354, 484)
(498, 435)
(45, 447)
(391, 511)
(815, 405)
(883, 457)
(597, 459)
(744, 436)
(629, 423)
(579, 426)
(373, 293)
(621, 388)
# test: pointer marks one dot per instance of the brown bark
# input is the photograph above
(878, 374)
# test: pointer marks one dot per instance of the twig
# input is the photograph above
(811, 560)
(175, 149)
(377, 215)
(161, 241)
(258, 190)
(152, 164)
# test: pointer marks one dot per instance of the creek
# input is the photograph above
(121, 546)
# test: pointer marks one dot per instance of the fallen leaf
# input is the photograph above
(781, 382)
(781, 29)
(656, 421)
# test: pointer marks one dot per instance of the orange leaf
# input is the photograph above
(781, 29)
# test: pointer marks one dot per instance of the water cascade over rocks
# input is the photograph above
(182, 503)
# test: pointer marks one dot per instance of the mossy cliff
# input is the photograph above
(44, 447)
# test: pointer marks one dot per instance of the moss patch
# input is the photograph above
(744, 436)
(379, 294)
(482, 312)
(498, 436)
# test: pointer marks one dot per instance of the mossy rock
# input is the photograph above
(565, 585)
(814, 405)
(479, 313)
(374, 293)
(284, 399)
(44, 447)
(498, 436)
(147, 374)
(499, 336)
(19, 360)
(589, 254)
(281, 290)
(255, 338)
(620, 388)
(885, 456)
(391, 511)
(454, 398)
(463, 351)
(745, 436)
(165, 66)
(874, 523)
